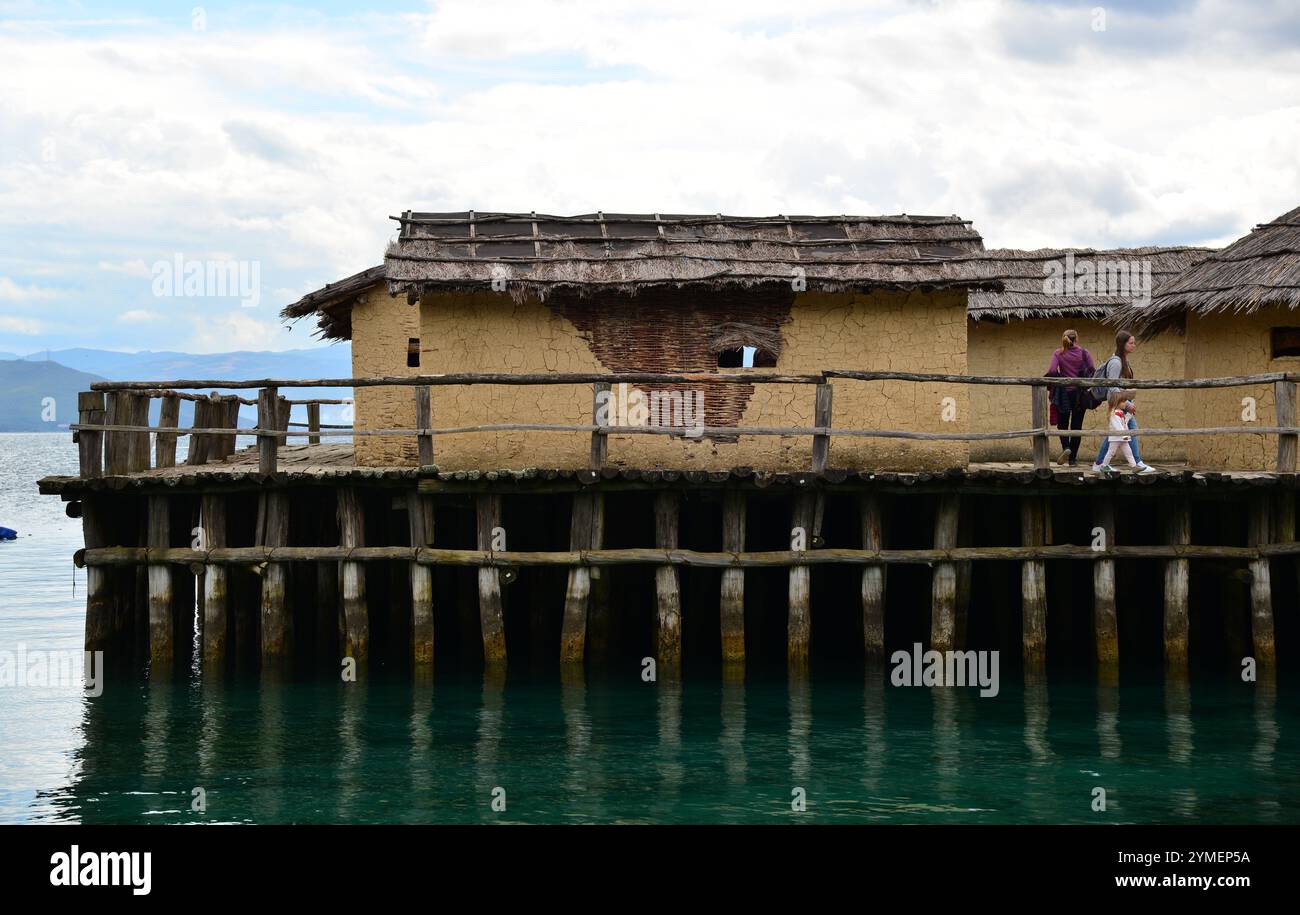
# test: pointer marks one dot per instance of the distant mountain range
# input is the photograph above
(27, 381)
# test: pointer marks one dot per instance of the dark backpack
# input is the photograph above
(1098, 395)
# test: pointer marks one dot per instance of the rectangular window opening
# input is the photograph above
(1286, 342)
(413, 353)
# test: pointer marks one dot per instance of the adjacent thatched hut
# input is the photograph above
(1049, 290)
(525, 292)
(1237, 311)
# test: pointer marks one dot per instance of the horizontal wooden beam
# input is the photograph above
(752, 377)
(255, 555)
(706, 431)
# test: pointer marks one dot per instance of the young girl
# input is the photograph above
(1121, 405)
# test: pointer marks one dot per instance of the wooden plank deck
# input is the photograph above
(332, 462)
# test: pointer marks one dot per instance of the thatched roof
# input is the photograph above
(1259, 270)
(1026, 293)
(535, 254)
(333, 303)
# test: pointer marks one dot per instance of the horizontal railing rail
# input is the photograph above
(113, 429)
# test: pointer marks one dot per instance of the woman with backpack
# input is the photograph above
(1117, 366)
(1070, 361)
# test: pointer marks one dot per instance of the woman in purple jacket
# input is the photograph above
(1070, 361)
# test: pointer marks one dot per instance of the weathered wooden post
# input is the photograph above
(90, 444)
(1033, 587)
(1039, 420)
(873, 580)
(573, 630)
(138, 446)
(491, 612)
(277, 622)
(313, 423)
(99, 582)
(668, 628)
(204, 412)
(599, 417)
(117, 445)
(1261, 586)
(161, 635)
(1104, 620)
(419, 511)
(169, 415)
(1284, 406)
(799, 626)
(599, 620)
(356, 615)
(268, 419)
(424, 422)
(732, 611)
(822, 420)
(943, 598)
(1178, 531)
(212, 521)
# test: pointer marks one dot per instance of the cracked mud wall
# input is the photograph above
(1223, 345)
(489, 332)
(1026, 347)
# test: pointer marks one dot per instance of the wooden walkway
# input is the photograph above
(335, 462)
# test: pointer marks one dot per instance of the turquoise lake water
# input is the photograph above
(614, 749)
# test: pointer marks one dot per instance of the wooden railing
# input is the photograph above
(113, 424)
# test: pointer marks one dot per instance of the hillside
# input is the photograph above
(320, 362)
(25, 387)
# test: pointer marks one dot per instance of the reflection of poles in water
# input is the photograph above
(157, 718)
(669, 757)
(1039, 792)
(947, 741)
(580, 763)
(351, 777)
(1036, 715)
(488, 742)
(1262, 755)
(422, 762)
(1178, 726)
(732, 738)
(270, 750)
(800, 728)
(873, 718)
(1108, 721)
(212, 701)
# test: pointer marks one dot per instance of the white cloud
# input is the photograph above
(139, 316)
(12, 292)
(15, 325)
(291, 144)
(136, 268)
(237, 330)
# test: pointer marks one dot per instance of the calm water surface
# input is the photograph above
(610, 750)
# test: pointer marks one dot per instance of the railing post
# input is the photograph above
(424, 422)
(116, 444)
(1039, 419)
(268, 420)
(1284, 407)
(599, 440)
(313, 423)
(138, 414)
(90, 412)
(169, 415)
(822, 420)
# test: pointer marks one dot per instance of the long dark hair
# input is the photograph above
(1121, 350)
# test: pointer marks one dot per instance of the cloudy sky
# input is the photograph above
(281, 137)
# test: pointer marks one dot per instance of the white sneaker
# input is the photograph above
(1103, 469)
(1147, 468)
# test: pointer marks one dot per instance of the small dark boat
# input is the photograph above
(8, 534)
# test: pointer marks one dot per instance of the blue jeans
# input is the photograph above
(1133, 443)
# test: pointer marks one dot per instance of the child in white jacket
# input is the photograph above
(1120, 403)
